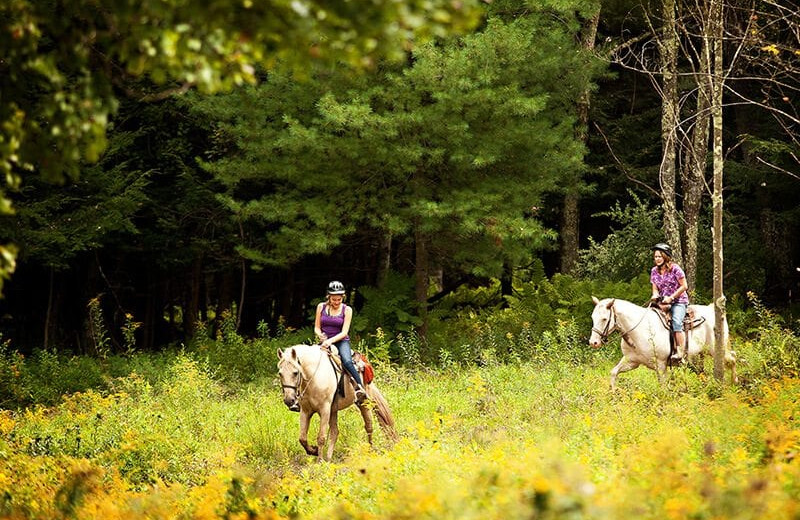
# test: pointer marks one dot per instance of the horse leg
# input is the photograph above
(333, 433)
(324, 427)
(661, 370)
(366, 414)
(624, 365)
(305, 419)
(730, 362)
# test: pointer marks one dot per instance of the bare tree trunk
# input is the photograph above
(421, 272)
(693, 174)
(192, 301)
(49, 313)
(384, 258)
(570, 229)
(716, 109)
(668, 46)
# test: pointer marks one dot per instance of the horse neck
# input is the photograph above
(628, 314)
(309, 357)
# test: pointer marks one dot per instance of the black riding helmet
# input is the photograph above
(664, 248)
(336, 288)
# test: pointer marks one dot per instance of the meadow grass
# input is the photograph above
(539, 439)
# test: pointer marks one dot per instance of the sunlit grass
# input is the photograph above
(533, 440)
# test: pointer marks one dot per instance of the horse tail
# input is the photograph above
(382, 411)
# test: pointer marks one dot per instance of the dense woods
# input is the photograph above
(508, 143)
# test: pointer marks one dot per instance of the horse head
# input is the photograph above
(604, 321)
(291, 376)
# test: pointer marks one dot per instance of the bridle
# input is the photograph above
(605, 333)
(301, 383)
(609, 329)
(298, 386)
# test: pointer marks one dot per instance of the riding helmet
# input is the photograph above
(336, 288)
(664, 248)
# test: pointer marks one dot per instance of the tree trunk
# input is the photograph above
(192, 301)
(570, 229)
(716, 110)
(49, 312)
(384, 258)
(693, 174)
(570, 213)
(421, 276)
(668, 46)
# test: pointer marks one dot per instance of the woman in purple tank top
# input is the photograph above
(670, 288)
(332, 326)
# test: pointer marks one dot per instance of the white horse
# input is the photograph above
(646, 336)
(311, 385)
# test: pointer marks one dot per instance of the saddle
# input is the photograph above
(362, 365)
(689, 323)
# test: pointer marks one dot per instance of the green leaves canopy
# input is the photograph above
(63, 63)
(460, 146)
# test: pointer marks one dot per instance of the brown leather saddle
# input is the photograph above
(689, 322)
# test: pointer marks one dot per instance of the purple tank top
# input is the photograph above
(332, 325)
(669, 282)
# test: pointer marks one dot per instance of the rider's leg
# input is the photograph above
(347, 362)
(678, 314)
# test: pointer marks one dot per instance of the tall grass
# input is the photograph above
(540, 438)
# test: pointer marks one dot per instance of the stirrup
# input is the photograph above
(361, 395)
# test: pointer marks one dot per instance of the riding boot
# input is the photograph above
(361, 394)
(680, 348)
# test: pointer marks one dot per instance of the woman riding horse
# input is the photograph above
(670, 289)
(332, 325)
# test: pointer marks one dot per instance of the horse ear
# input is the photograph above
(280, 353)
(595, 300)
(611, 303)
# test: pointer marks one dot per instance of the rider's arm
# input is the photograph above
(682, 288)
(655, 292)
(317, 324)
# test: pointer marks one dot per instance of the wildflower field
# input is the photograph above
(543, 438)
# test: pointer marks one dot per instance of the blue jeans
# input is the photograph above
(346, 354)
(678, 314)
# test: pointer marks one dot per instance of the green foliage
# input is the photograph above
(235, 359)
(64, 62)
(625, 253)
(773, 351)
(542, 320)
(453, 150)
(390, 307)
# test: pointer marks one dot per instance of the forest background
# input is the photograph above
(535, 146)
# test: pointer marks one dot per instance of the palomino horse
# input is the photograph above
(311, 386)
(645, 336)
